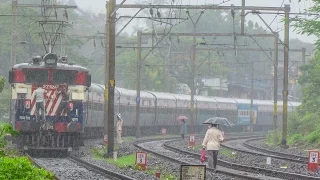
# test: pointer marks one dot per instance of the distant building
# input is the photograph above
(215, 87)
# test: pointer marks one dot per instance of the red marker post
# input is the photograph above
(164, 131)
(192, 140)
(141, 160)
(313, 159)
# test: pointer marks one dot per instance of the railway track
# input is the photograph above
(241, 145)
(291, 157)
(243, 167)
(158, 148)
(72, 168)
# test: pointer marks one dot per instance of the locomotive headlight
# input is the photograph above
(50, 59)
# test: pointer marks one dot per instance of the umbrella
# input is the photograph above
(218, 120)
(182, 118)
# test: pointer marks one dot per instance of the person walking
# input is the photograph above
(119, 128)
(183, 128)
(212, 141)
(40, 94)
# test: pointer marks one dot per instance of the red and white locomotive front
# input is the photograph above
(52, 77)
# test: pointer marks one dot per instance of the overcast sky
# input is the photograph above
(99, 6)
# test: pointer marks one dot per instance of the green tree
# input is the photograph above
(303, 124)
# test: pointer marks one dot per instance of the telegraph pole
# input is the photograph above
(193, 73)
(13, 33)
(242, 15)
(192, 90)
(110, 76)
(13, 47)
(139, 49)
(275, 82)
(285, 80)
(251, 97)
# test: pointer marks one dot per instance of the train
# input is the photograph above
(158, 110)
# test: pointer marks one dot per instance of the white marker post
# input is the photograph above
(269, 161)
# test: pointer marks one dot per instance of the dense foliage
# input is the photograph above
(15, 167)
(21, 169)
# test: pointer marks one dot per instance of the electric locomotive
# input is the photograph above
(57, 131)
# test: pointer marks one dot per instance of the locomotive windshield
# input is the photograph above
(36, 75)
(60, 77)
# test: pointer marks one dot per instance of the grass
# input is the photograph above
(124, 161)
(129, 161)
(198, 147)
(227, 152)
(163, 176)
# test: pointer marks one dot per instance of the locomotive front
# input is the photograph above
(62, 123)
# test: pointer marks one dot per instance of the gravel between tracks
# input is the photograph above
(157, 146)
(85, 153)
(154, 162)
(64, 169)
(250, 159)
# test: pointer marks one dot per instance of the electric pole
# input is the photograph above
(13, 33)
(139, 33)
(275, 82)
(193, 73)
(242, 15)
(251, 97)
(285, 80)
(13, 47)
(110, 76)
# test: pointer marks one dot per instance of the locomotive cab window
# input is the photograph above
(36, 75)
(60, 77)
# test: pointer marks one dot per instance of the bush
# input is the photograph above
(6, 128)
(313, 137)
(21, 169)
(273, 138)
(294, 139)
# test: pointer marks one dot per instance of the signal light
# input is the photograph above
(27, 104)
(70, 106)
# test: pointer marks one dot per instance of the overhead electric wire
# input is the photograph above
(275, 15)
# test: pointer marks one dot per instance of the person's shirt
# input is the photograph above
(119, 125)
(39, 94)
(183, 128)
(212, 139)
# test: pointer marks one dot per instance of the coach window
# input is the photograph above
(62, 76)
(36, 76)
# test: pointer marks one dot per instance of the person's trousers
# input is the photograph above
(39, 105)
(63, 105)
(119, 140)
(212, 158)
(182, 136)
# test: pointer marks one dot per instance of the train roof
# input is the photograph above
(61, 66)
